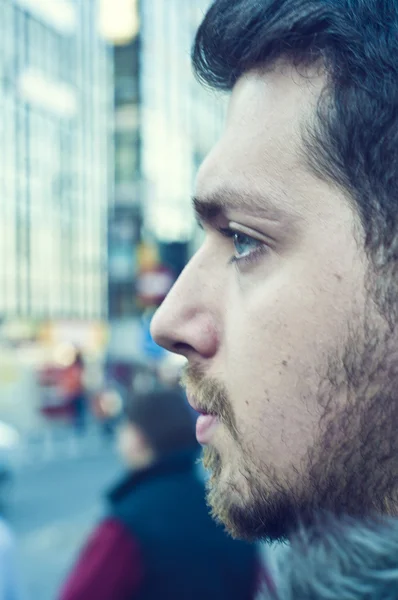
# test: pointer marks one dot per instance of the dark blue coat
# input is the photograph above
(185, 554)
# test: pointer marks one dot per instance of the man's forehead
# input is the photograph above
(259, 165)
(270, 111)
(281, 82)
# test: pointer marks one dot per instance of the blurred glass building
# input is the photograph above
(125, 214)
(180, 121)
(165, 123)
(56, 107)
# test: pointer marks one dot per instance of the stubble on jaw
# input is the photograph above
(351, 469)
(352, 466)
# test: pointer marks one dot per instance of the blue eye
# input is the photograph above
(245, 245)
(247, 248)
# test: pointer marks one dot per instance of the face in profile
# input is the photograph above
(290, 360)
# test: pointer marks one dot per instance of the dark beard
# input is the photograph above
(353, 467)
(255, 519)
(269, 518)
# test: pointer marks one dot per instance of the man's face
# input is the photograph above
(283, 341)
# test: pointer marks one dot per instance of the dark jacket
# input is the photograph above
(159, 542)
(339, 559)
(184, 553)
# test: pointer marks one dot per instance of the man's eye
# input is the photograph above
(245, 245)
(247, 248)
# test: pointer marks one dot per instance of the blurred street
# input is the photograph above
(102, 132)
(55, 503)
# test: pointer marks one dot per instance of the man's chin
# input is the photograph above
(246, 511)
(248, 520)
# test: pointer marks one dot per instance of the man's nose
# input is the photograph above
(186, 322)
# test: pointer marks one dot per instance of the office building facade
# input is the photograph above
(125, 214)
(180, 119)
(56, 107)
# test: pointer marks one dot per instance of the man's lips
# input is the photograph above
(202, 410)
(205, 426)
(206, 422)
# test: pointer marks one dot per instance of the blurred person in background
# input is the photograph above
(73, 390)
(9, 577)
(158, 540)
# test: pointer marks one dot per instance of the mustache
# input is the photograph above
(210, 395)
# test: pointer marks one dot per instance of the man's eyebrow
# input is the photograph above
(208, 208)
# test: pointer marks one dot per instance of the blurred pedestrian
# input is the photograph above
(9, 580)
(73, 390)
(158, 540)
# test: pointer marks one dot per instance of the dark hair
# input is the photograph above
(354, 142)
(165, 419)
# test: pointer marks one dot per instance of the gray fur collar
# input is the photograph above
(339, 559)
